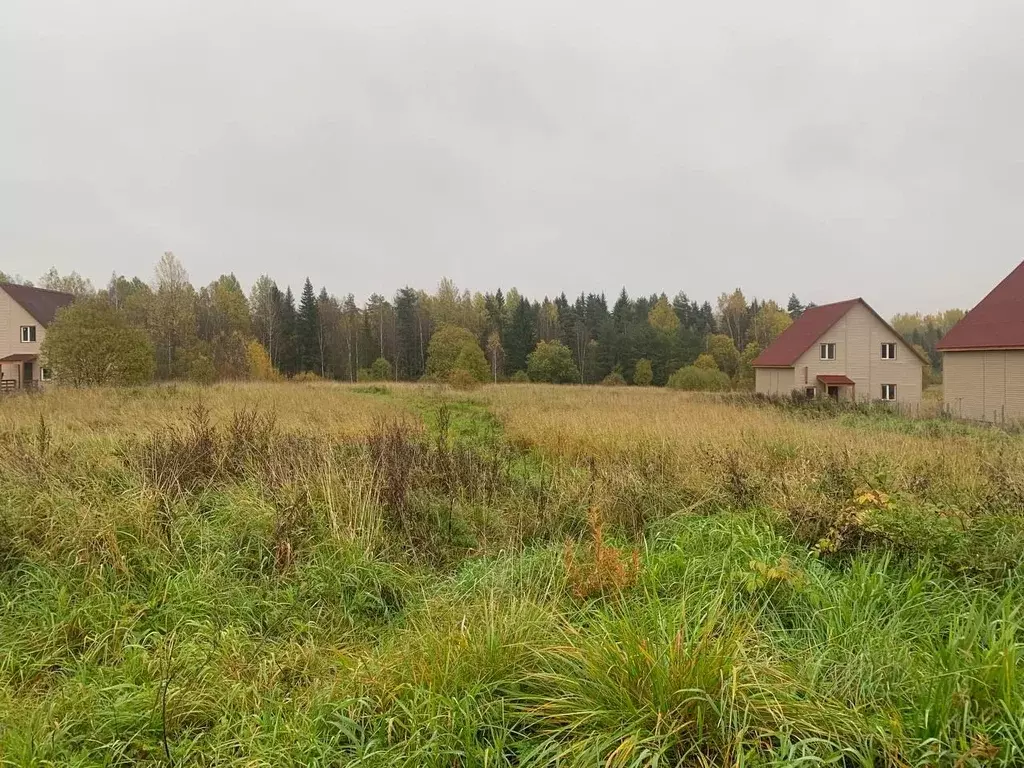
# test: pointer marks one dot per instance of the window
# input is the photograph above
(828, 351)
(811, 392)
(28, 333)
(889, 351)
(889, 392)
(44, 374)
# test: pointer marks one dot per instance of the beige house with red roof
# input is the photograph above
(845, 351)
(983, 356)
(24, 314)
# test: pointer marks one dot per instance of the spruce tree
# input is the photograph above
(520, 337)
(407, 342)
(795, 308)
(289, 356)
(308, 330)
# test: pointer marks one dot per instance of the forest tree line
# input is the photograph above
(219, 331)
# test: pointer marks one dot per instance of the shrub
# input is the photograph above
(379, 371)
(471, 361)
(695, 379)
(201, 370)
(598, 568)
(258, 363)
(706, 363)
(373, 389)
(614, 379)
(306, 376)
(520, 377)
(746, 378)
(723, 350)
(462, 379)
(453, 348)
(551, 362)
(91, 343)
(643, 374)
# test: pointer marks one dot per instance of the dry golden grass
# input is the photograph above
(592, 420)
(710, 448)
(681, 429)
(330, 409)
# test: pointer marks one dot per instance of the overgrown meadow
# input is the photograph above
(321, 574)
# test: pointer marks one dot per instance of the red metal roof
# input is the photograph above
(801, 335)
(830, 379)
(996, 323)
(811, 326)
(38, 302)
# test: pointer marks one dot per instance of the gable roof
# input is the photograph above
(38, 302)
(808, 328)
(996, 323)
(801, 335)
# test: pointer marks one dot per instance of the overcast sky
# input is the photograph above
(868, 147)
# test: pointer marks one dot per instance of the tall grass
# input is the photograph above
(314, 574)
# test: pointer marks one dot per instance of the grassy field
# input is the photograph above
(317, 574)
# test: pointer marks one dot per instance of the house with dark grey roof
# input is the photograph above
(983, 356)
(24, 315)
(845, 351)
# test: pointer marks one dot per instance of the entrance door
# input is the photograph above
(26, 374)
(833, 392)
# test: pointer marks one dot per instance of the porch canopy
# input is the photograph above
(836, 381)
(18, 358)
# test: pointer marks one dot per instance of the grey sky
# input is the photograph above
(869, 147)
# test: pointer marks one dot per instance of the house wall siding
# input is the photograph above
(906, 371)
(5, 324)
(858, 337)
(984, 385)
(774, 381)
(12, 317)
(1014, 385)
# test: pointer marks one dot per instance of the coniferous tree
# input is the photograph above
(795, 308)
(307, 326)
(409, 359)
(520, 337)
(289, 357)
(494, 309)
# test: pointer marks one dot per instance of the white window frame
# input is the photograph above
(887, 347)
(45, 374)
(829, 346)
(810, 392)
(28, 334)
(889, 393)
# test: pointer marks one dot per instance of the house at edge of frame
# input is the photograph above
(983, 357)
(24, 314)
